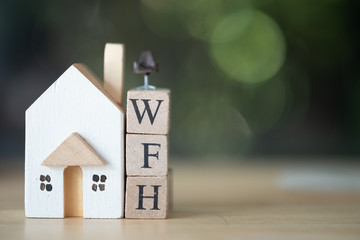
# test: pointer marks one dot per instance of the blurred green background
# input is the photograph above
(255, 77)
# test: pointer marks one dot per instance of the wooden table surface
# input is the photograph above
(211, 201)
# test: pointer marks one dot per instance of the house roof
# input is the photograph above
(96, 82)
(74, 151)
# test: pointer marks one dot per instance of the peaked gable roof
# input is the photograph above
(88, 75)
(74, 151)
(95, 81)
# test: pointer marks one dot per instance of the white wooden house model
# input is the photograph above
(74, 151)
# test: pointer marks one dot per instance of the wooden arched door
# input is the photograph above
(73, 191)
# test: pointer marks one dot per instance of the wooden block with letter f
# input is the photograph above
(146, 155)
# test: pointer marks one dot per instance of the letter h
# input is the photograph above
(155, 197)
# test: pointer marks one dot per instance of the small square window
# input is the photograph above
(96, 179)
(103, 178)
(43, 180)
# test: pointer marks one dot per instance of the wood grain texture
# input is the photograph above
(78, 103)
(73, 191)
(171, 189)
(249, 204)
(114, 60)
(74, 151)
(146, 197)
(155, 119)
(146, 155)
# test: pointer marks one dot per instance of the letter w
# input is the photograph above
(147, 109)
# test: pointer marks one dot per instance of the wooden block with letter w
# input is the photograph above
(148, 111)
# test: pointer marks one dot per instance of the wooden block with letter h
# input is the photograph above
(146, 197)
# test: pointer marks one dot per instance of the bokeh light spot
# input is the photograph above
(248, 46)
(204, 17)
(172, 5)
(263, 105)
(227, 31)
(201, 22)
(163, 22)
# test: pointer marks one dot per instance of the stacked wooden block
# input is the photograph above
(147, 153)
